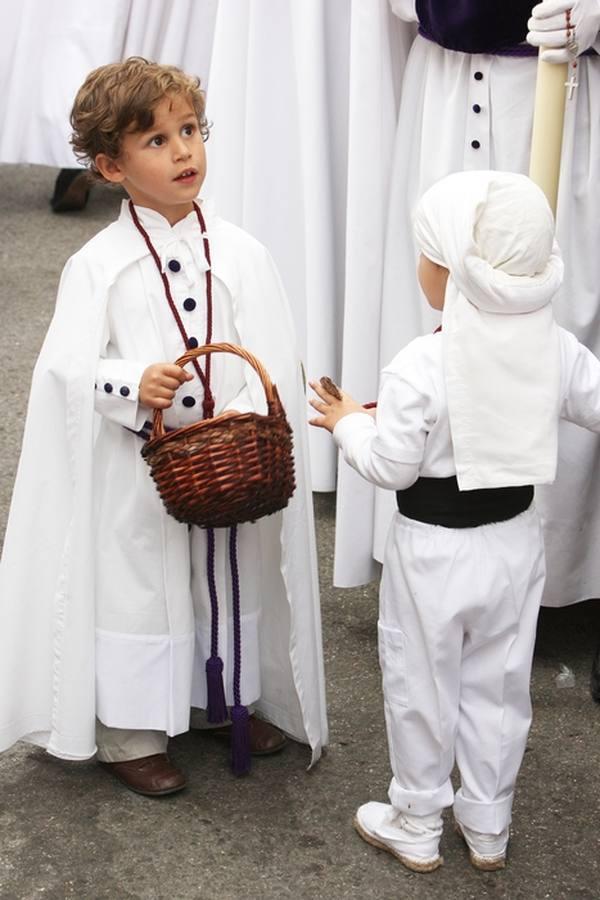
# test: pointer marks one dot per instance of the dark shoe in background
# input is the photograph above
(595, 677)
(264, 737)
(71, 190)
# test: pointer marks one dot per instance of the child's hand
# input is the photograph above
(159, 383)
(330, 409)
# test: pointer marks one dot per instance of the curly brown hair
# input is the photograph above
(121, 98)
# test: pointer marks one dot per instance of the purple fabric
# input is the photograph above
(475, 26)
(216, 707)
(240, 727)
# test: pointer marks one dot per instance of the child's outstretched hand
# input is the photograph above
(331, 408)
(159, 383)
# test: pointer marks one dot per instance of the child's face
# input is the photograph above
(432, 278)
(163, 168)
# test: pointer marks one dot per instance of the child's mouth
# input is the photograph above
(186, 176)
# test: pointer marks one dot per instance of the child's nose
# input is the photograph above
(180, 149)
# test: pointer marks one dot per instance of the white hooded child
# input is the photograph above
(466, 424)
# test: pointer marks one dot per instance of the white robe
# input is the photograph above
(436, 124)
(48, 49)
(277, 160)
(49, 568)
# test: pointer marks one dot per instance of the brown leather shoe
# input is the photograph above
(153, 776)
(264, 737)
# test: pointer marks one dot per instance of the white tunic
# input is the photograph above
(410, 436)
(80, 528)
(153, 639)
(436, 126)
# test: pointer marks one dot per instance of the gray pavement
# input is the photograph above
(67, 830)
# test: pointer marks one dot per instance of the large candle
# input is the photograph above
(548, 119)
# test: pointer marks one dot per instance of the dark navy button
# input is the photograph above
(192, 343)
(475, 145)
(108, 388)
(124, 391)
(189, 401)
(476, 108)
(189, 304)
(174, 265)
(478, 76)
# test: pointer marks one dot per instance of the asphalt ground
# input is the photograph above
(69, 830)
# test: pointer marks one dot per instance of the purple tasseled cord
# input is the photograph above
(240, 726)
(216, 707)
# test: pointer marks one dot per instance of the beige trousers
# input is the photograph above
(122, 744)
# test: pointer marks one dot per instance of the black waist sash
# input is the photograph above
(438, 501)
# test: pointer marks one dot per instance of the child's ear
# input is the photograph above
(109, 168)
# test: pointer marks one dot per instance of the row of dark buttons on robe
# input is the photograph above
(109, 388)
(189, 304)
(125, 392)
(478, 76)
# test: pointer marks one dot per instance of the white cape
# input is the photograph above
(47, 578)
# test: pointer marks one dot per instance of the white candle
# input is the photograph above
(548, 119)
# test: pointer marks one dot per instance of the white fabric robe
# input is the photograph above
(277, 160)
(48, 48)
(48, 569)
(436, 125)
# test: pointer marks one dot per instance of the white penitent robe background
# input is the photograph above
(277, 153)
(49, 46)
(325, 132)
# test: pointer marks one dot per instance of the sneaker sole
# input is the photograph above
(413, 864)
(483, 863)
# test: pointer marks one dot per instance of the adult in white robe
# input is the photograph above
(277, 159)
(439, 130)
(53, 566)
(48, 48)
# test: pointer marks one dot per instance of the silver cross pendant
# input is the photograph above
(571, 84)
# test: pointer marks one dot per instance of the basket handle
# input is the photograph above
(273, 402)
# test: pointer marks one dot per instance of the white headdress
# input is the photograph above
(494, 231)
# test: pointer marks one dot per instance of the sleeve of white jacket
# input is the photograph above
(581, 383)
(117, 387)
(387, 451)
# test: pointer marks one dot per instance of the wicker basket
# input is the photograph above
(229, 469)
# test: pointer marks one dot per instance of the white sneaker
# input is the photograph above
(414, 840)
(486, 851)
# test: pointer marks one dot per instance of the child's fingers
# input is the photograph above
(330, 387)
(170, 370)
(318, 389)
(168, 383)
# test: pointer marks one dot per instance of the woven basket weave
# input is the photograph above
(226, 470)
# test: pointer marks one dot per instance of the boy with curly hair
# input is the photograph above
(107, 637)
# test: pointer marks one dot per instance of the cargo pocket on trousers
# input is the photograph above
(392, 659)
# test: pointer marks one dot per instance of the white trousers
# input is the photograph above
(458, 613)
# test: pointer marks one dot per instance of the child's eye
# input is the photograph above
(189, 129)
(156, 141)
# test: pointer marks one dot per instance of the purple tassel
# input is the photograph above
(216, 708)
(240, 740)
